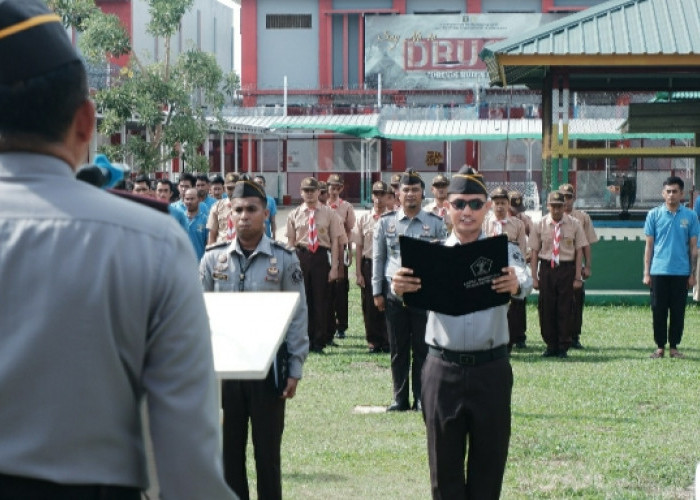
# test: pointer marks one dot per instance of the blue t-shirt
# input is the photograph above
(671, 233)
(179, 215)
(272, 207)
(198, 233)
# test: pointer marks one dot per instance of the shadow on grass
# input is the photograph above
(308, 478)
(599, 355)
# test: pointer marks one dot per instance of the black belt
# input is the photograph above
(548, 263)
(26, 487)
(471, 358)
(304, 248)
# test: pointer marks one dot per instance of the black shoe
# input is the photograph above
(417, 405)
(316, 349)
(331, 343)
(397, 407)
(520, 345)
(374, 350)
(562, 354)
(340, 334)
(386, 349)
(577, 345)
(550, 353)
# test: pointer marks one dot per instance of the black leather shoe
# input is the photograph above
(331, 343)
(577, 345)
(549, 353)
(340, 334)
(520, 345)
(316, 349)
(395, 406)
(374, 350)
(417, 405)
(562, 354)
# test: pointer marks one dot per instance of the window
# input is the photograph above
(288, 21)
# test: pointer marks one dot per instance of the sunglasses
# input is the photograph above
(474, 205)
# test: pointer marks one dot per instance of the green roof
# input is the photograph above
(621, 34)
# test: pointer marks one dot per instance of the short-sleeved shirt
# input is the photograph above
(179, 216)
(218, 219)
(198, 232)
(272, 207)
(572, 238)
(513, 228)
(672, 233)
(328, 225)
(347, 217)
(585, 220)
(386, 252)
(364, 232)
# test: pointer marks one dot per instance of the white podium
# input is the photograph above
(247, 329)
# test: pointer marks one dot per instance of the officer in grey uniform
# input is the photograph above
(253, 262)
(405, 325)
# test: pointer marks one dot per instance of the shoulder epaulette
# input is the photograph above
(281, 245)
(214, 246)
(385, 214)
(434, 214)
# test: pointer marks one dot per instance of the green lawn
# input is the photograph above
(608, 422)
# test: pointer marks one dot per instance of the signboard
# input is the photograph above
(437, 51)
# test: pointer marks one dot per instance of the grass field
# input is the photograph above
(608, 422)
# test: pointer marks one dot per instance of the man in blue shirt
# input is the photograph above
(196, 222)
(207, 201)
(270, 226)
(670, 257)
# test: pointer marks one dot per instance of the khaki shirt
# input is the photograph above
(525, 219)
(513, 228)
(587, 225)
(347, 217)
(440, 211)
(218, 219)
(364, 232)
(328, 225)
(572, 238)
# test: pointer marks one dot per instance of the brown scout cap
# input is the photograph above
(566, 189)
(440, 181)
(335, 180)
(555, 198)
(395, 180)
(309, 183)
(499, 192)
(380, 187)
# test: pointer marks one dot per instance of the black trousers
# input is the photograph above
(669, 294)
(577, 317)
(315, 268)
(256, 402)
(555, 304)
(406, 329)
(338, 304)
(26, 488)
(375, 320)
(517, 321)
(467, 407)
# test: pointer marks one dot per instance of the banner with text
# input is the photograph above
(437, 51)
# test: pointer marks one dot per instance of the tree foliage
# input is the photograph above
(167, 101)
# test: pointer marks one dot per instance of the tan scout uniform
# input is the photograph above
(556, 284)
(315, 266)
(513, 228)
(339, 289)
(218, 219)
(375, 320)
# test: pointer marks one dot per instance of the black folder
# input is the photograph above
(455, 280)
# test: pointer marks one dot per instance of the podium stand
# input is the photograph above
(247, 329)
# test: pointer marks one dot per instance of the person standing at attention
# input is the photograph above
(670, 257)
(314, 230)
(556, 242)
(467, 377)
(405, 325)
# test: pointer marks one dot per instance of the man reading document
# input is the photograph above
(467, 377)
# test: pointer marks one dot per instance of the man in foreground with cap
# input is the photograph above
(84, 344)
(499, 223)
(405, 325)
(467, 377)
(556, 242)
(375, 320)
(517, 311)
(253, 262)
(579, 295)
(338, 297)
(314, 229)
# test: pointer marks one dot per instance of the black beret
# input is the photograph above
(248, 189)
(410, 177)
(467, 181)
(33, 41)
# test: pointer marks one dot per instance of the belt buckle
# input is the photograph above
(467, 359)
